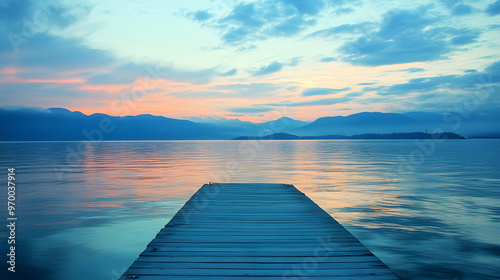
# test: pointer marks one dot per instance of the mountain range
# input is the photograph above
(58, 124)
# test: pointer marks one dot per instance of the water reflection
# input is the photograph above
(440, 222)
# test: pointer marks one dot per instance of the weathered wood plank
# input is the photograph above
(248, 259)
(255, 231)
(207, 277)
(257, 272)
(153, 264)
(314, 254)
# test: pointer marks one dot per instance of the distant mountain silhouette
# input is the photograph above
(360, 123)
(410, 135)
(282, 124)
(460, 119)
(235, 127)
(61, 124)
(64, 125)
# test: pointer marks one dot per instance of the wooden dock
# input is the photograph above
(255, 231)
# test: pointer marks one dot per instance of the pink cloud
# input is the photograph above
(11, 79)
(9, 70)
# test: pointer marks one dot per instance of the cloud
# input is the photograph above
(461, 10)
(493, 9)
(468, 82)
(409, 70)
(235, 35)
(414, 70)
(50, 14)
(415, 85)
(201, 94)
(128, 73)
(493, 26)
(253, 20)
(253, 89)
(23, 107)
(171, 73)
(48, 56)
(365, 84)
(344, 10)
(246, 91)
(229, 73)
(295, 61)
(59, 95)
(310, 7)
(327, 59)
(109, 78)
(494, 69)
(250, 110)
(290, 26)
(201, 15)
(449, 3)
(464, 39)
(52, 52)
(262, 19)
(349, 29)
(269, 69)
(245, 14)
(323, 91)
(457, 7)
(406, 36)
(318, 102)
(355, 94)
(11, 12)
(45, 63)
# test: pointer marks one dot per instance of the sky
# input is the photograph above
(251, 60)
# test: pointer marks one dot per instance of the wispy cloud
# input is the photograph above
(250, 110)
(457, 7)
(406, 36)
(323, 91)
(318, 102)
(264, 19)
(252, 89)
(269, 69)
(466, 82)
(328, 59)
(493, 9)
(200, 15)
(229, 73)
(350, 29)
(462, 9)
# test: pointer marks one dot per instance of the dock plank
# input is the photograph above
(255, 231)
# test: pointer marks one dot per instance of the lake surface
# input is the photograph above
(429, 210)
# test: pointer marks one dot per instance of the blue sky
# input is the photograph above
(251, 60)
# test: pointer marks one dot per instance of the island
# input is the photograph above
(406, 135)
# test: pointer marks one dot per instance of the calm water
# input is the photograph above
(86, 211)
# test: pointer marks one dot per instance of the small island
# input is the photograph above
(406, 135)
